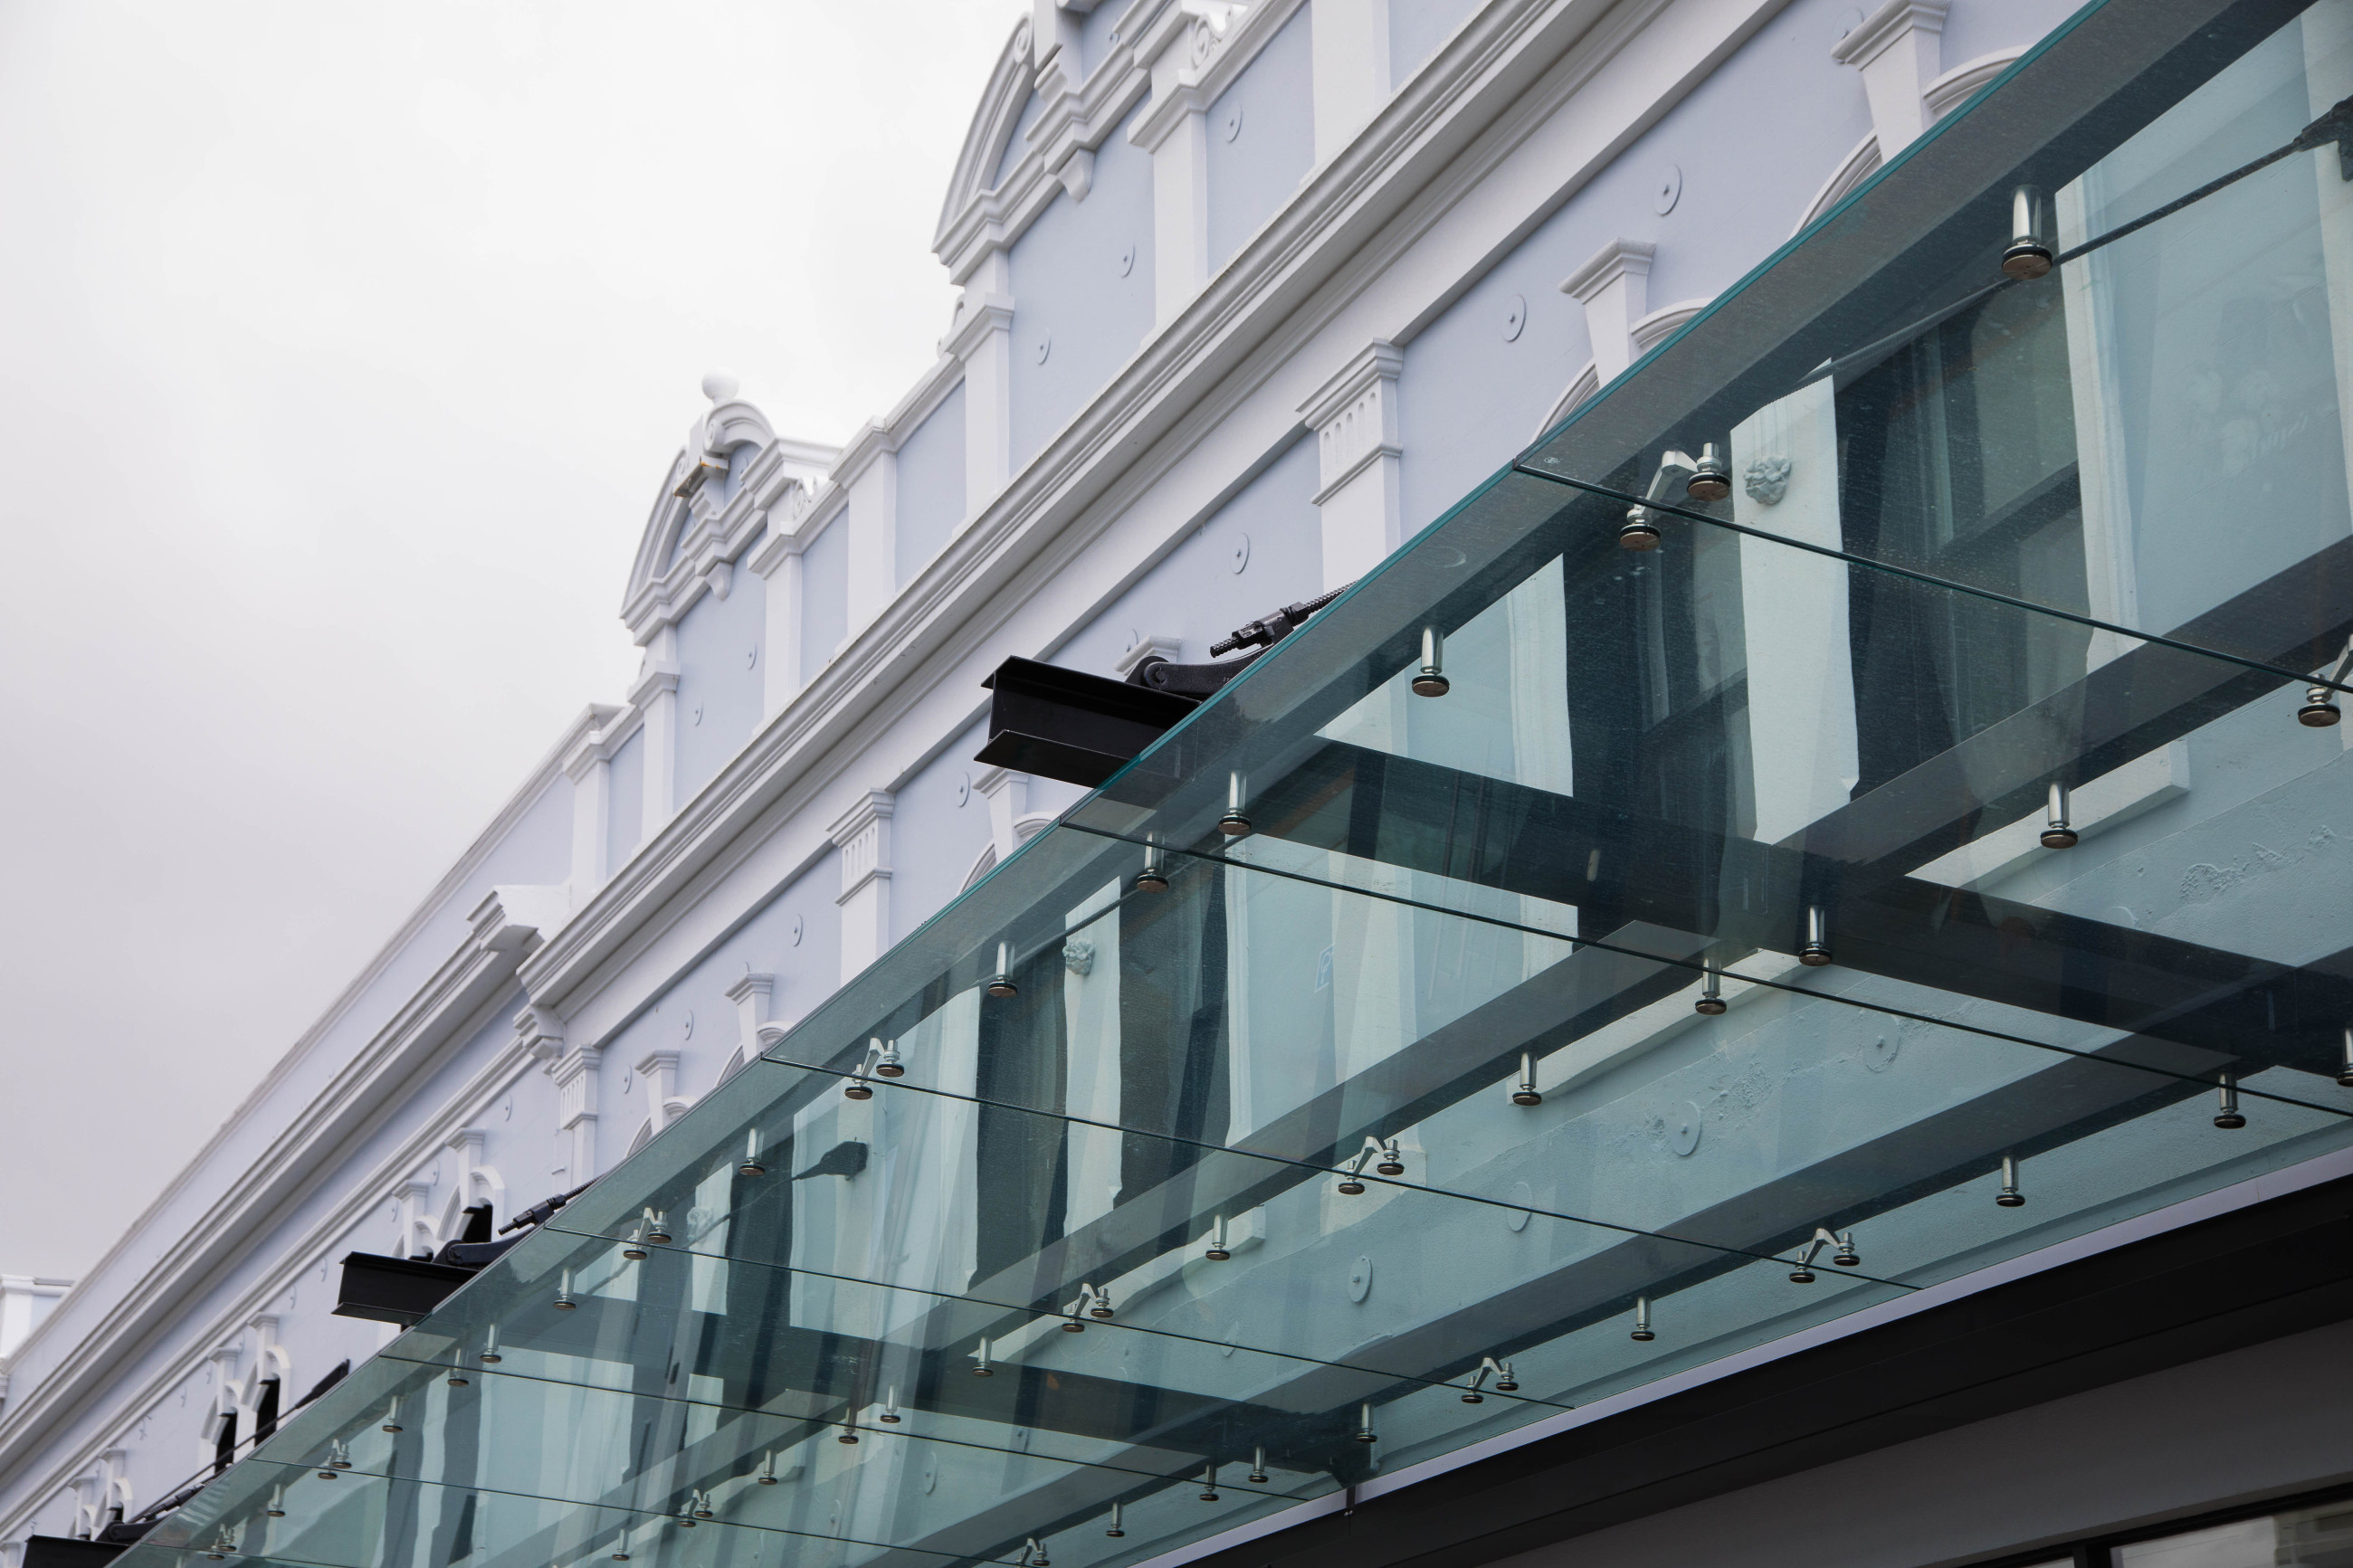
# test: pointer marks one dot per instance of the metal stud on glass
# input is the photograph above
(277, 1508)
(1209, 1484)
(1710, 477)
(849, 1436)
(1525, 1094)
(634, 1249)
(887, 1062)
(1153, 879)
(1815, 951)
(1391, 1163)
(752, 1163)
(565, 1300)
(1642, 1330)
(1257, 1475)
(2032, 235)
(1430, 681)
(391, 1419)
(1218, 1252)
(1846, 1257)
(890, 1416)
(767, 1475)
(1001, 983)
(1033, 1555)
(2009, 1197)
(489, 1356)
(1364, 1432)
(1233, 825)
(2320, 709)
(657, 1229)
(699, 1506)
(980, 1367)
(2058, 832)
(457, 1378)
(2345, 1069)
(2226, 1109)
(1711, 994)
(1115, 1530)
(1639, 533)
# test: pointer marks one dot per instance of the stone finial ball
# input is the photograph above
(719, 386)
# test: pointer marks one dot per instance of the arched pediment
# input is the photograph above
(712, 505)
(992, 126)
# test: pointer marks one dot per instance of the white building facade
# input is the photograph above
(1252, 294)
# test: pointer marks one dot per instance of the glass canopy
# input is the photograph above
(1763, 925)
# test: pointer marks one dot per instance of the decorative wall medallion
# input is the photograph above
(1241, 553)
(1127, 261)
(1045, 346)
(751, 656)
(1517, 1219)
(698, 712)
(1231, 122)
(686, 1025)
(1515, 316)
(1360, 1278)
(1766, 481)
(1682, 1129)
(796, 931)
(1669, 190)
(963, 793)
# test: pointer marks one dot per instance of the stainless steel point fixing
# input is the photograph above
(2227, 1114)
(2034, 236)
(752, 1163)
(1001, 983)
(1209, 1484)
(1218, 1251)
(1153, 879)
(1525, 1093)
(2344, 1070)
(1711, 993)
(1815, 951)
(1642, 1321)
(1364, 1432)
(1430, 681)
(2009, 1197)
(1115, 1531)
(980, 1361)
(2058, 832)
(1257, 1475)
(1233, 825)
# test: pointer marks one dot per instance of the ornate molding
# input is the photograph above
(1355, 417)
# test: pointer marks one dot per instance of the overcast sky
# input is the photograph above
(343, 346)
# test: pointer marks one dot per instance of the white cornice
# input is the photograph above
(1380, 362)
(1190, 62)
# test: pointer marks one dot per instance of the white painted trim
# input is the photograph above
(1963, 82)
(1858, 166)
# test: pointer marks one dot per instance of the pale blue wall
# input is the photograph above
(1416, 29)
(719, 679)
(1253, 171)
(930, 486)
(825, 595)
(1083, 289)
(626, 797)
(1195, 593)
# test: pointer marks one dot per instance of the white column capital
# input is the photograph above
(1614, 287)
(1900, 49)
(1355, 417)
(1009, 803)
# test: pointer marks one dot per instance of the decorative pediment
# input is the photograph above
(1001, 103)
(699, 524)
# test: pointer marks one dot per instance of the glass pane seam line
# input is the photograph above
(2155, 640)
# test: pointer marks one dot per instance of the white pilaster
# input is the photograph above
(1355, 418)
(1615, 290)
(657, 1070)
(754, 996)
(982, 338)
(1177, 49)
(576, 1108)
(1351, 44)
(1009, 803)
(863, 834)
(657, 693)
(411, 1201)
(591, 773)
(873, 532)
(1899, 48)
(777, 562)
